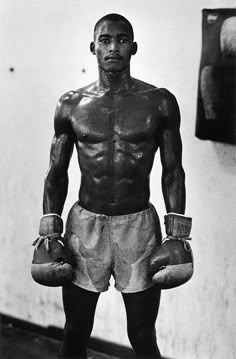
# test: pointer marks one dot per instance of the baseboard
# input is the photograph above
(96, 344)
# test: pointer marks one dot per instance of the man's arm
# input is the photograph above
(173, 176)
(172, 264)
(56, 181)
(52, 263)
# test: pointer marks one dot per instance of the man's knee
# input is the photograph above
(141, 337)
(144, 343)
(74, 341)
(77, 331)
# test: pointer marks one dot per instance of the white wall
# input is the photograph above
(47, 43)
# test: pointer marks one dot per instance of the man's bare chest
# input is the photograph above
(131, 118)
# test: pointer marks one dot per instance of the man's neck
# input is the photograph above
(114, 81)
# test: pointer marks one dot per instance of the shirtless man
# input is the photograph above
(116, 124)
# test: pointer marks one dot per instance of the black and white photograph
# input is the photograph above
(118, 190)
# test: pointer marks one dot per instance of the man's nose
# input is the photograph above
(113, 46)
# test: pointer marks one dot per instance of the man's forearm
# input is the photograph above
(173, 187)
(55, 192)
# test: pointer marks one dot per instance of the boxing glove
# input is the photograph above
(52, 262)
(172, 263)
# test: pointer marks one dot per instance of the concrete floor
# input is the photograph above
(22, 340)
(16, 343)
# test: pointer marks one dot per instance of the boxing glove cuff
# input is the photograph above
(177, 225)
(50, 223)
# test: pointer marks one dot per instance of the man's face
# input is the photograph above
(113, 45)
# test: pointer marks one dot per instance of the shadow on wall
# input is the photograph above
(226, 155)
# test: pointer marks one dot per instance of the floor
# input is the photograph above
(22, 340)
(16, 343)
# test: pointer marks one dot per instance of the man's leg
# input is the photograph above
(142, 309)
(79, 307)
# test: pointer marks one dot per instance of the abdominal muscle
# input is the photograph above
(112, 198)
(114, 183)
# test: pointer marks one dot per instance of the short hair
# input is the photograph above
(115, 18)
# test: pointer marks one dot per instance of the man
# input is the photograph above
(116, 124)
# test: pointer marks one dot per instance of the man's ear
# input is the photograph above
(135, 48)
(92, 48)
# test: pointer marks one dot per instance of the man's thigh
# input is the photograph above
(79, 304)
(142, 308)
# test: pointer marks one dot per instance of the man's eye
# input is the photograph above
(123, 41)
(105, 41)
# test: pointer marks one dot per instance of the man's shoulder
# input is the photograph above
(166, 95)
(141, 86)
(162, 98)
(74, 96)
(161, 92)
(69, 98)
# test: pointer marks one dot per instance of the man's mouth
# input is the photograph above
(113, 58)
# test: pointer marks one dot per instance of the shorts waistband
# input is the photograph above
(123, 217)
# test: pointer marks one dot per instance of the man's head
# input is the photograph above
(113, 43)
(114, 18)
